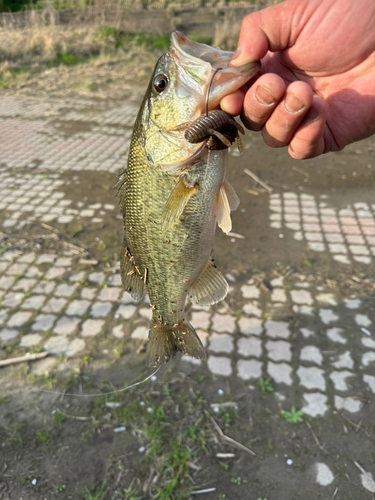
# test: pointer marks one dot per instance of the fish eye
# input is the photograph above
(160, 83)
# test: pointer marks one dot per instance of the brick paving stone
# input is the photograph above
(223, 323)
(17, 269)
(74, 347)
(368, 358)
(33, 272)
(63, 261)
(19, 318)
(370, 381)
(96, 277)
(250, 292)
(345, 360)
(279, 350)
(200, 319)
(44, 287)
(55, 272)
(146, 313)
(277, 329)
(12, 299)
(281, 373)
(91, 327)
(278, 295)
(219, 365)
(46, 258)
(114, 280)
(339, 379)
(126, 298)
(349, 404)
(249, 326)
(54, 305)
(221, 342)
(109, 293)
(77, 307)
(6, 282)
(66, 325)
(44, 322)
(100, 309)
(312, 378)
(3, 315)
(370, 343)
(301, 297)
(30, 340)
(141, 332)
(126, 311)
(252, 309)
(249, 369)
(311, 354)
(28, 258)
(78, 276)
(250, 346)
(118, 331)
(362, 320)
(56, 345)
(8, 334)
(44, 366)
(336, 335)
(306, 332)
(326, 298)
(327, 316)
(316, 404)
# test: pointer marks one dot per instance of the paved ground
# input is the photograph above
(300, 264)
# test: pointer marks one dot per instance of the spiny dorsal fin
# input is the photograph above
(227, 202)
(131, 277)
(210, 287)
(176, 203)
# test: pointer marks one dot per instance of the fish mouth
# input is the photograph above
(200, 62)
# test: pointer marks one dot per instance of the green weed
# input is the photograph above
(236, 480)
(59, 488)
(265, 385)
(293, 416)
(43, 437)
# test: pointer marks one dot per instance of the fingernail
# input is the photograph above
(292, 103)
(312, 115)
(238, 58)
(264, 96)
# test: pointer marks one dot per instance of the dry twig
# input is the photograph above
(20, 359)
(258, 180)
(228, 439)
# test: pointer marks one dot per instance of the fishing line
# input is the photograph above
(209, 88)
(101, 393)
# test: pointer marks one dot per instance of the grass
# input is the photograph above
(265, 385)
(293, 416)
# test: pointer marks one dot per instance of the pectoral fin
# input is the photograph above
(131, 277)
(210, 287)
(227, 202)
(176, 203)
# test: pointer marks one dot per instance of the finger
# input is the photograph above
(274, 28)
(261, 99)
(308, 140)
(233, 103)
(288, 114)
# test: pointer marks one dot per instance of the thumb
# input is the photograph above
(274, 28)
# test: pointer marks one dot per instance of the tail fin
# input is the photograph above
(165, 341)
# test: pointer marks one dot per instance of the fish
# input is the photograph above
(174, 193)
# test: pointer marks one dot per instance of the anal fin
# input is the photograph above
(210, 287)
(131, 277)
(176, 203)
(227, 202)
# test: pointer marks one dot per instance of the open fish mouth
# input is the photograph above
(199, 61)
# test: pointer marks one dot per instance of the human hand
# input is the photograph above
(316, 89)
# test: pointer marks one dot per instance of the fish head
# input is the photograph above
(177, 96)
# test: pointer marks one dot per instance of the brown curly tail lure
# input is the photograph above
(216, 127)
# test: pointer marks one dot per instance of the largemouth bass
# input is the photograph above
(173, 194)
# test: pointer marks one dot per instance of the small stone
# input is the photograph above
(249, 369)
(316, 404)
(312, 378)
(279, 350)
(311, 354)
(368, 481)
(223, 323)
(66, 325)
(277, 329)
(324, 476)
(141, 332)
(221, 343)
(219, 365)
(30, 340)
(77, 307)
(100, 309)
(250, 347)
(280, 372)
(327, 316)
(92, 327)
